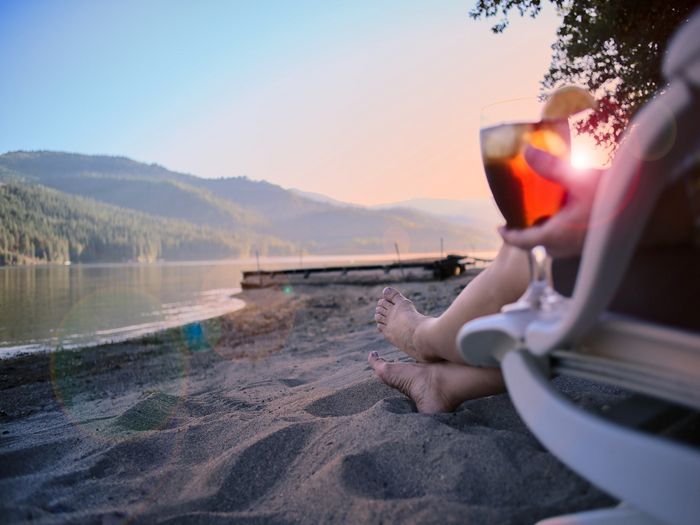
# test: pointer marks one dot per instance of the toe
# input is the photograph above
(375, 360)
(390, 294)
(393, 375)
(380, 318)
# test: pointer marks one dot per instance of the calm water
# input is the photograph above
(43, 307)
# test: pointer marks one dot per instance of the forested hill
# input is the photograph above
(38, 224)
(189, 217)
(154, 189)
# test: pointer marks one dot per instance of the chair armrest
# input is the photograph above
(653, 474)
(484, 341)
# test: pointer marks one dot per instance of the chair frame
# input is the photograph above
(658, 479)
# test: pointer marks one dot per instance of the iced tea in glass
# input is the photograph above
(525, 198)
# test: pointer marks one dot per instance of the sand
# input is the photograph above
(268, 415)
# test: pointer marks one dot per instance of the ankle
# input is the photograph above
(424, 339)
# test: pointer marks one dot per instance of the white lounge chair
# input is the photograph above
(657, 479)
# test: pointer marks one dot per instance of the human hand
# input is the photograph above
(562, 234)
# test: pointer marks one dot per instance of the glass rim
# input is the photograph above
(526, 110)
(539, 99)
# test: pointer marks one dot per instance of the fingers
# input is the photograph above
(527, 238)
(557, 235)
(547, 165)
(564, 233)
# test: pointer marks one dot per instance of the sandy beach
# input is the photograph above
(268, 415)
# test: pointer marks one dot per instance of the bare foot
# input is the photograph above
(398, 321)
(437, 387)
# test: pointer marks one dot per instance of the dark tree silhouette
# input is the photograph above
(614, 48)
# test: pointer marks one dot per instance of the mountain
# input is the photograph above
(129, 184)
(39, 224)
(477, 212)
(320, 197)
(236, 213)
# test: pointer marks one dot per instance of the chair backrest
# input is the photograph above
(662, 141)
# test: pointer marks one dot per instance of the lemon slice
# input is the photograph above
(567, 101)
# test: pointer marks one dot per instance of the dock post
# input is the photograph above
(398, 257)
(257, 261)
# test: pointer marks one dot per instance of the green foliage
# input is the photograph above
(147, 188)
(38, 224)
(614, 48)
(129, 211)
(165, 198)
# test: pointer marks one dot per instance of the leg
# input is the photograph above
(438, 387)
(433, 338)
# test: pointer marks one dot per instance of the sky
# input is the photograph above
(367, 102)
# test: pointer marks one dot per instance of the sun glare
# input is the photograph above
(581, 160)
(585, 154)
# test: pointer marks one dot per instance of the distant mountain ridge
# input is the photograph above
(482, 212)
(39, 224)
(325, 199)
(236, 214)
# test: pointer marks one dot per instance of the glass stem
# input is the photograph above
(548, 299)
(540, 267)
(540, 294)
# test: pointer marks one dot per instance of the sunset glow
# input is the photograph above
(367, 102)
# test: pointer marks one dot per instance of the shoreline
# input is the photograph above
(10, 352)
(269, 414)
(252, 261)
(342, 277)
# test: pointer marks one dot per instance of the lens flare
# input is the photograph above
(85, 383)
(260, 329)
(581, 160)
(586, 154)
(122, 399)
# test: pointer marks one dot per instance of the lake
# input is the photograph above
(44, 307)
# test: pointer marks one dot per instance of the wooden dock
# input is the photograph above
(449, 266)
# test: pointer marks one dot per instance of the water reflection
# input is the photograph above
(44, 307)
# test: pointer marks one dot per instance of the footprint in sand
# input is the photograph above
(209, 518)
(391, 471)
(259, 468)
(400, 405)
(148, 414)
(291, 382)
(127, 459)
(33, 459)
(351, 400)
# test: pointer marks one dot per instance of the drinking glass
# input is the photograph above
(525, 198)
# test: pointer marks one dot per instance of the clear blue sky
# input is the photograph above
(366, 101)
